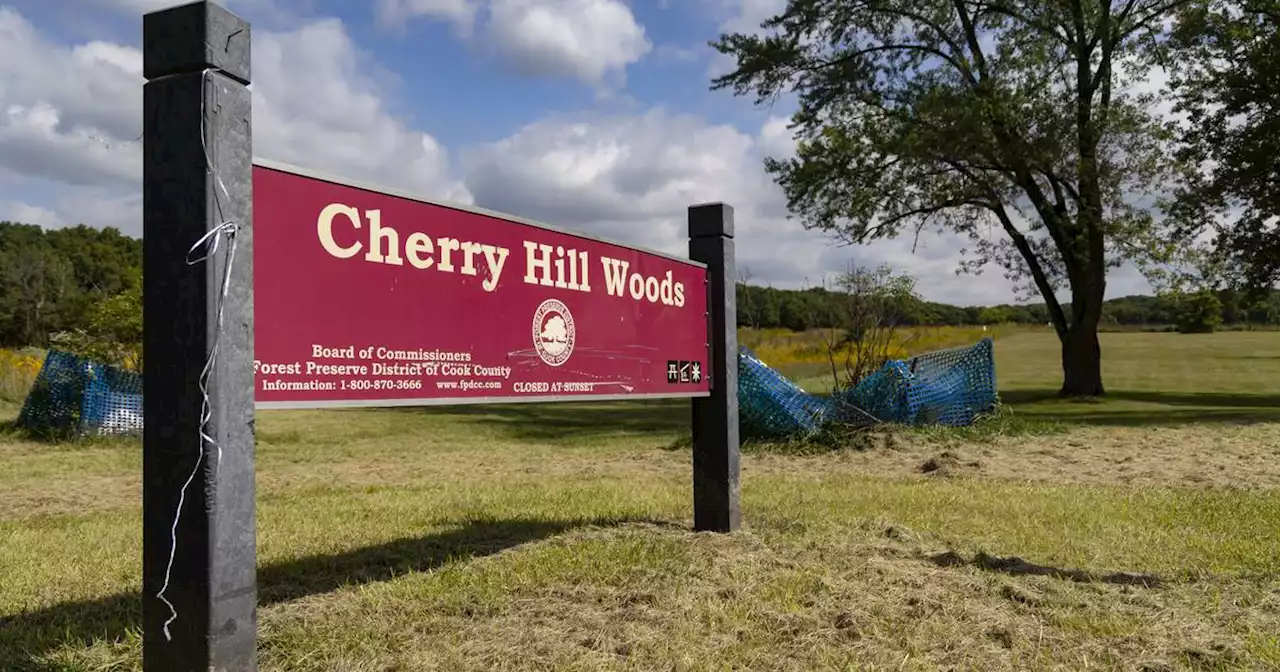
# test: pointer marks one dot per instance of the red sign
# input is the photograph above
(367, 297)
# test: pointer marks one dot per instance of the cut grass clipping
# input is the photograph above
(556, 538)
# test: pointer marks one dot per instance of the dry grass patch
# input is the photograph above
(555, 538)
(570, 569)
(644, 596)
(1194, 456)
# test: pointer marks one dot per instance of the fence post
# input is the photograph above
(197, 178)
(716, 505)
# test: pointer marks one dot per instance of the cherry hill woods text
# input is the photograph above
(544, 264)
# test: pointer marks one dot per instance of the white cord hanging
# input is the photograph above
(209, 242)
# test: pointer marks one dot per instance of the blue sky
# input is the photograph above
(595, 115)
(457, 87)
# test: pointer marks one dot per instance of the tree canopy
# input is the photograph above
(54, 280)
(974, 116)
(1225, 73)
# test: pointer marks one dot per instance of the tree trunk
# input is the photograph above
(1082, 362)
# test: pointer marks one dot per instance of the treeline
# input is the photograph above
(797, 310)
(63, 280)
(57, 280)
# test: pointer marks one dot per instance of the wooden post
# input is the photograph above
(716, 505)
(197, 172)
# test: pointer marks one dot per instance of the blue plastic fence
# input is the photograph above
(946, 387)
(75, 396)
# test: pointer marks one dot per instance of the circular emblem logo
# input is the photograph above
(553, 332)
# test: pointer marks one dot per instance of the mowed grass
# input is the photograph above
(1152, 379)
(557, 537)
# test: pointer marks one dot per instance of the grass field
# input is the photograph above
(1144, 534)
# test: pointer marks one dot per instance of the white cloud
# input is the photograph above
(461, 13)
(139, 6)
(17, 211)
(36, 142)
(254, 10)
(632, 179)
(70, 116)
(329, 116)
(738, 16)
(52, 96)
(101, 207)
(95, 206)
(777, 140)
(592, 41)
(745, 16)
(624, 177)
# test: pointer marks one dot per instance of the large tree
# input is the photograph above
(1226, 76)
(1017, 116)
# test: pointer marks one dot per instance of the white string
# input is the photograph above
(209, 240)
(110, 144)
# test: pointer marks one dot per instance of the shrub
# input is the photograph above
(869, 314)
(114, 333)
(1199, 313)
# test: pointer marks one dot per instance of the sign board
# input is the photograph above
(369, 297)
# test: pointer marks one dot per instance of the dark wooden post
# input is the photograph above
(716, 505)
(197, 170)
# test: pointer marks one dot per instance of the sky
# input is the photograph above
(590, 115)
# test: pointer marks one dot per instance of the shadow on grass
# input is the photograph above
(25, 637)
(1020, 567)
(559, 421)
(1182, 408)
